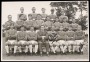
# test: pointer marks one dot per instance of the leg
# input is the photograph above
(51, 46)
(62, 45)
(47, 47)
(81, 46)
(36, 47)
(77, 45)
(30, 46)
(15, 47)
(40, 47)
(7, 47)
(19, 47)
(74, 46)
(56, 45)
(69, 46)
(64, 48)
(26, 46)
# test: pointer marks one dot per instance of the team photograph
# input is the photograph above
(45, 30)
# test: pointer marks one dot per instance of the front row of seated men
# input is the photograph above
(23, 41)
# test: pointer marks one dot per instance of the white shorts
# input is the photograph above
(70, 42)
(32, 42)
(55, 43)
(27, 31)
(61, 42)
(37, 31)
(78, 42)
(51, 43)
(11, 41)
(18, 31)
(22, 41)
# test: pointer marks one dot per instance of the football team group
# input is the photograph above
(42, 32)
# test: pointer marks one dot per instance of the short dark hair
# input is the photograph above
(9, 15)
(29, 15)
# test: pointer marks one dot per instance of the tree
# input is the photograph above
(70, 11)
(68, 6)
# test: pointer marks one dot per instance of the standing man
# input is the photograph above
(22, 41)
(19, 24)
(29, 22)
(43, 40)
(32, 40)
(43, 14)
(11, 41)
(70, 39)
(37, 24)
(22, 16)
(34, 15)
(74, 25)
(9, 23)
(57, 24)
(65, 25)
(79, 39)
(48, 24)
(52, 16)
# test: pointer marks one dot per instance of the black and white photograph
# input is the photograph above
(45, 31)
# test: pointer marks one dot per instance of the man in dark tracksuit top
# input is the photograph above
(43, 40)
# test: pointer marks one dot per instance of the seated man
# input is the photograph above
(10, 39)
(79, 39)
(38, 22)
(29, 22)
(43, 40)
(61, 40)
(48, 24)
(22, 40)
(32, 37)
(52, 40)
(57, 24)
(70, 39)
(22, 16)
(74, 25)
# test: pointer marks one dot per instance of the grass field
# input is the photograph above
(51, 57)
